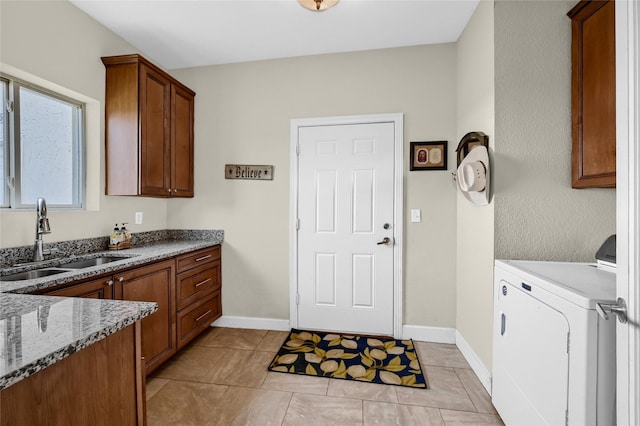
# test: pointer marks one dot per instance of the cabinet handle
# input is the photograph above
(169, 190)
(203, 258)
(121, 279)
(203, 315)
(175, 190)
(109, 282)
(202, 282)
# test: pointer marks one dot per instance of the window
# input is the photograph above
(41, 147)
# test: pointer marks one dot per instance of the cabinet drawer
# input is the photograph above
(200, 257)
(193, 284)
(193, 320)
(100, 288)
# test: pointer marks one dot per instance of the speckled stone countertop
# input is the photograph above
(38, 331)
(134, 256)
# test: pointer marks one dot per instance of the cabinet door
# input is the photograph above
(101, 288)
(181, 142)
(153, 283)
(154, 133)
(593, 94)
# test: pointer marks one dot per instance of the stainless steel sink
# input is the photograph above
(86, 263)
(29, 275)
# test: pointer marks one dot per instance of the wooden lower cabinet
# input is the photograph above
(199, 300)
(153, 283)
(103, 384)
(186, 288)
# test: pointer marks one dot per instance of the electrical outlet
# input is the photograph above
(138, 220)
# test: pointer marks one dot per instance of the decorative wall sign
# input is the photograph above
(243, 171)
(428, 156)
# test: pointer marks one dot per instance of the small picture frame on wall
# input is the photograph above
(428, 156)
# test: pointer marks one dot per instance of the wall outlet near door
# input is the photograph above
(138, 219)
(416, 215)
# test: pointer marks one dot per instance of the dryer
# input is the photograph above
(553, 356)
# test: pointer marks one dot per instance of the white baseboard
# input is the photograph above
(429, 334)
(254, 323)
(478, 367)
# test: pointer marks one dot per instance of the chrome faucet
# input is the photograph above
(42, 227)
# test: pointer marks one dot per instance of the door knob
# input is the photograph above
(619, 309)
(385, 240)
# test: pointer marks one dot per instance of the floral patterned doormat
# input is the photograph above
(340, 356)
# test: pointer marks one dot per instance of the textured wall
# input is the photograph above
(474, 260)
(538, 215)
(55, 41)
(243, 113)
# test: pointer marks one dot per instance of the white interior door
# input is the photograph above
(346, 228)
(628, 210)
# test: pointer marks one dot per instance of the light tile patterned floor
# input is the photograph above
(221, 378)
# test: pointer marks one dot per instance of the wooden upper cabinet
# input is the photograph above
(149, 130)
(593, 100)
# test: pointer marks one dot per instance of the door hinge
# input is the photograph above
(297, 224)
(297, 298)
(10, 106)
(298, 149)
(11, 182)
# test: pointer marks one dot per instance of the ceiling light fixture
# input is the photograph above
(318, 5)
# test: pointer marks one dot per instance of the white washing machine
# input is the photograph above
(553, 355)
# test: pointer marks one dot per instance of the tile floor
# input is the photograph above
(221, 378)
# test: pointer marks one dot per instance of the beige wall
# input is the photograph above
(243, 113)
(57, 42)
(538, 215)
(474, 260)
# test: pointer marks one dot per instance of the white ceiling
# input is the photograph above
(186, 33)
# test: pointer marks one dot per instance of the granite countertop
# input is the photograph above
(134, 256)
(38, 331)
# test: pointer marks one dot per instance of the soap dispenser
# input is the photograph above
(126, 235)
(114, 238)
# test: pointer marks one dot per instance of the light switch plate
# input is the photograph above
(138, 220)
(416, 215)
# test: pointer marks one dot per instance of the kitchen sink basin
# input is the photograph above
(29, 275)
(86, 263)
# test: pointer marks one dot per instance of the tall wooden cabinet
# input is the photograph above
(593, 104)
(149, 130)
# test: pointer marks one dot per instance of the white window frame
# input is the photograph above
(13, 202)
